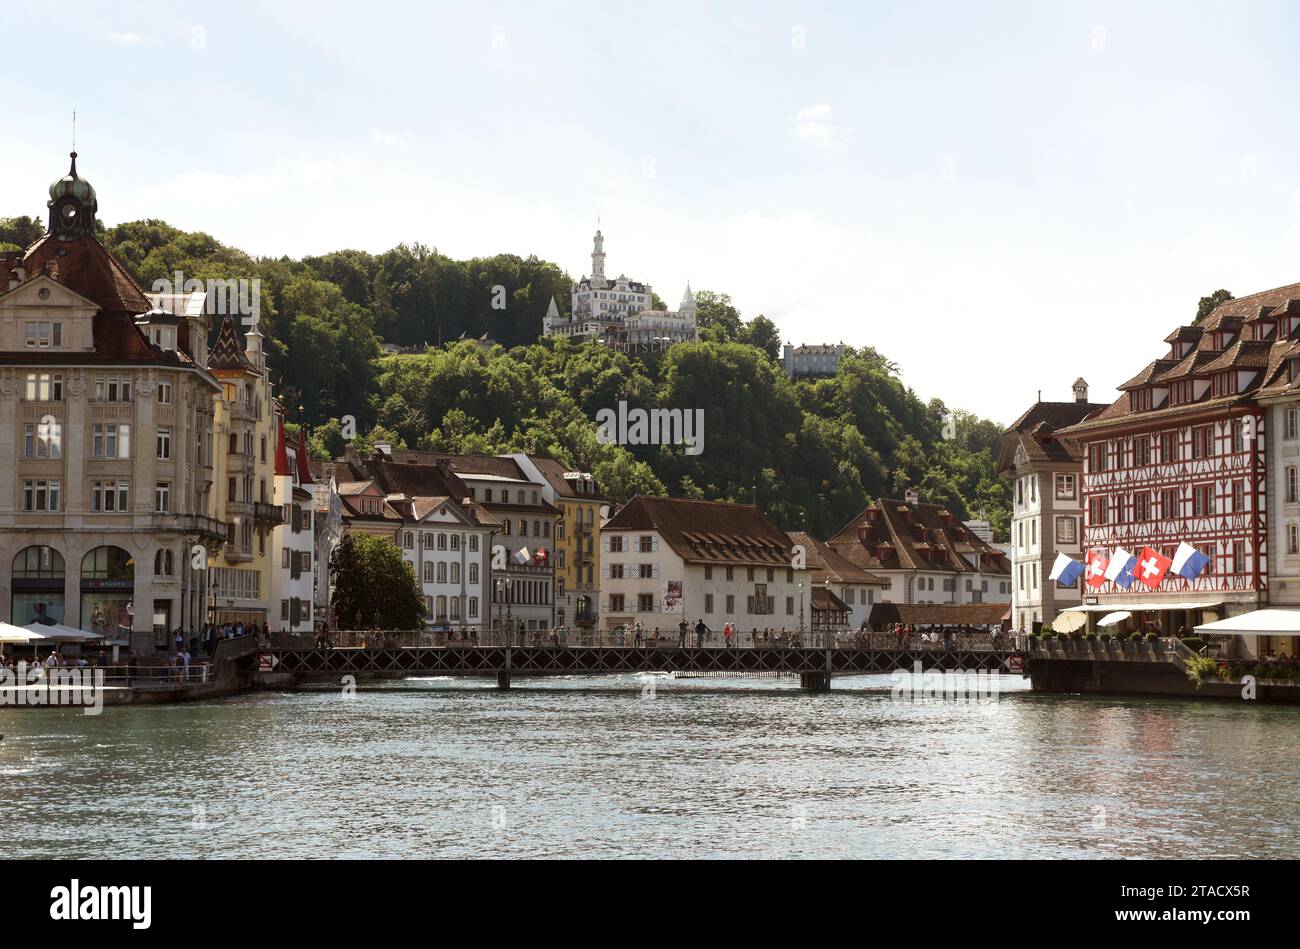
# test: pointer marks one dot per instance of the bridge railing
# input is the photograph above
(148, 676)
(665, 639)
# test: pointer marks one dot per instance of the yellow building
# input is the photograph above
(244, 490)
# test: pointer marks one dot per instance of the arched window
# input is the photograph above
(38, 563)
(107, 563)
(164, 563)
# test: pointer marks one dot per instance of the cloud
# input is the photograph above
(816, 124)
(389, 139)
(131, 39)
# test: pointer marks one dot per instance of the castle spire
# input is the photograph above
(598, 258)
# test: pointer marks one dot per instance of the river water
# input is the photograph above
(607, 767)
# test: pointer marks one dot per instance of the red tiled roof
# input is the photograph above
(708, 532)
(897, 534)
(826, 564)
(85, 267)
(227, 353)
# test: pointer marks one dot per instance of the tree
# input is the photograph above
(1209, 304)
(21, 231)
(374, 586)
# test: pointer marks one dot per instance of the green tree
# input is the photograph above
(374, 586)
(1208, 305)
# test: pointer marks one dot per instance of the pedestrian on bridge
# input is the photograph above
(700, 630)
(682, 630)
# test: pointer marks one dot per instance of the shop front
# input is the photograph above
(107, 586)
(38, 586)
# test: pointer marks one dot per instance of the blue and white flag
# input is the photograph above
(1189, 562)
(1120, 570)
(1065, 572)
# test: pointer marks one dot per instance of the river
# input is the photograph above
(601, 767)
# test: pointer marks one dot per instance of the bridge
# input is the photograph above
(815, 666)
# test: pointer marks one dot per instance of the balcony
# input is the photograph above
(264, 514)
(198, 525)
(235, 553)
(243, 411)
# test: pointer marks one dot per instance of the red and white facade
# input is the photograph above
(1181, 456)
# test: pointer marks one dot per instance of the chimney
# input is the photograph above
(912, 497)
(1080, 390)
(384, 448)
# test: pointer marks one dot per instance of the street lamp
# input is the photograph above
(801, 610)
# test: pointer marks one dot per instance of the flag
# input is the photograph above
(522, 556)
(1188, 562)
(1120, 571)
(1151, 567)
(540, 556)
(1065, 571)
(1097, 563)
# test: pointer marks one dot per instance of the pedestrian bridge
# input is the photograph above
(815, 666)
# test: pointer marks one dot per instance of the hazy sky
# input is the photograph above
(1000, 196)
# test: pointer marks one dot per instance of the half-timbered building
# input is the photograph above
(1180, 456)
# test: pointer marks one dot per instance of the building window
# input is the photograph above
(109, 496)
(1142, 506)
(708, 572)
(1239, 556)
(473, 607)
(42, 440)
(113, 389)
(473, 573)
(1067, 530)
(1293, 538)
(428, 571)
(1238, 497)
(1065, 487)
(1202, 500)
(162, 497)
(164, 444)
(731, 604)
(165, 395)
(110, 440)
(708, 602)
(44, 387)
(1168, 447)
(1097, 457)
(1141, 452)
(408, 539)
(473, 543)
(1291, 484)
(1292, 423)
(731, 574)
(1202, 442)
(616, 603)
(1097, 511)
(442, 572)
(1169, 507)
(42, 335)
(41, 495)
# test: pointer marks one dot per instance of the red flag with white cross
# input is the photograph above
(1151, 567)
(1095, 570)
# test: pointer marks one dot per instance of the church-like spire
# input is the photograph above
(72, 205)
(598, 257)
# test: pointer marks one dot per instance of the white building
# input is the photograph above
(293, 577)
(619, 312)
(924, 553)
(812, 360)
(666, 560)
(1047, 511)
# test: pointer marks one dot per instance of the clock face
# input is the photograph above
(69, 211)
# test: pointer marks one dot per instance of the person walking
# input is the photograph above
(682, 630)
(727, 632)
(700, 631)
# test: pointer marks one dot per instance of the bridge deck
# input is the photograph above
(468, 660)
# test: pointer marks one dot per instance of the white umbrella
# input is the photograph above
(1113, 619)
(16, 634)
(1069, 621)
(59, 631)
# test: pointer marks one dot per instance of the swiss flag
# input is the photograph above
(1151, 567)
(1095, 573)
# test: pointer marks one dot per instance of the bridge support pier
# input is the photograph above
(503, 680)
(815, 681)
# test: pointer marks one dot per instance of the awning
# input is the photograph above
(1112, 619)
(1258, 622)
(1139, 605)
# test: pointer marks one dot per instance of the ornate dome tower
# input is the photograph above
(72, 205)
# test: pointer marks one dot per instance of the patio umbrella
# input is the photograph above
(16, 634)
(61, 632)
(1113, 619)
(1069, 621)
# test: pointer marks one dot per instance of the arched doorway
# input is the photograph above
(107, 586)
(38, 591)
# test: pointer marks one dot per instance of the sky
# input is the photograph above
(1000, 197)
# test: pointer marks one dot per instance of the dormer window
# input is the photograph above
(43, 335)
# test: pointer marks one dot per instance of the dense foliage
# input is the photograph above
(373, 585)
(812, 453)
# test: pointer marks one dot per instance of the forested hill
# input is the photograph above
(811, 452)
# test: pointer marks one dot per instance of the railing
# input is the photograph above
(629, 639)
(268, 512)
(199, 672)
(191, 524)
